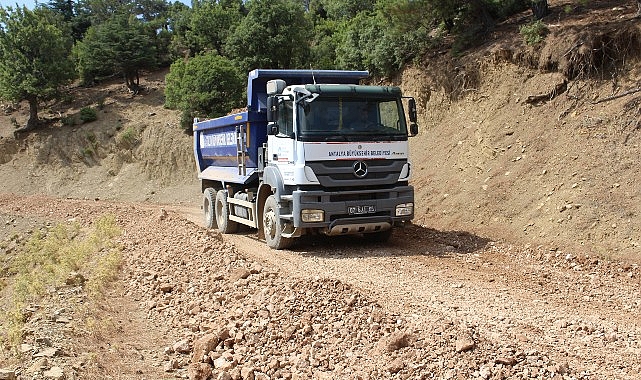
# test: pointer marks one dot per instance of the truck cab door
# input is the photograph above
(281, 144)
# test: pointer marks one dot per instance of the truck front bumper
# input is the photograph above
(354, 211)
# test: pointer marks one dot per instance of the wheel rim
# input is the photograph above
(207, 207)
(269, 221)
(219, 215)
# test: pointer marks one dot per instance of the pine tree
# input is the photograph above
(122, 45)
(34, 57)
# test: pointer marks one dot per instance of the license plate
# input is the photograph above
(358, 210)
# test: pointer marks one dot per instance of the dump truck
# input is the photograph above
(315, 152)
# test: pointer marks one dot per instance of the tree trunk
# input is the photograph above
(449, 24)
(132, 80)
(32, 123)
(539, 8)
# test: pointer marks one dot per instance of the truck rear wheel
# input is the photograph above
(225, 225)
(209, 197)
(273, 225)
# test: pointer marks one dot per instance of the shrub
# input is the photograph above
(534, 32)
(88, 114)
(86, 152)
(68, 121)
(92, 138)
(129, 137)
(207, 85)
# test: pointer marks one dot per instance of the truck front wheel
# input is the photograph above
(273, 225)
(209, 197)
(225, 225)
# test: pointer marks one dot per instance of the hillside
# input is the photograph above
(556, 170)
(133, 151)
(526, 144)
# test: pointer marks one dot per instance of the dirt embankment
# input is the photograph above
(133, 151)
(536, 145)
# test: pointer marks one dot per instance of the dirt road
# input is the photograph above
(428, 304)
(554, 305)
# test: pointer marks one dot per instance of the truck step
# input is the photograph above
(287, 216)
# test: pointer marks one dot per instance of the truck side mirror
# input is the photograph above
(272, 108)
(413, 129)
(412, 110)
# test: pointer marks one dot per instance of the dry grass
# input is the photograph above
(47, 259)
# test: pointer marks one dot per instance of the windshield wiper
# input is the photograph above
(338, 137)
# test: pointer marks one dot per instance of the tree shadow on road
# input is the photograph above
(412, 240)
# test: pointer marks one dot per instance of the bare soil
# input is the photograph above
(522, 261)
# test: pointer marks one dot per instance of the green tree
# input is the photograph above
(468, 20)
(148, 11)
(34, 57)
(102, 10)
(121, 45)
(378, 42)
(75, 14)
(174, 84)
(211, 24)
(156, 16)
(364, 44)
(274, 34)
(206, 85)
(323, 45)
(64, 7)
(179, 20)
(153, 11)
(344, 9)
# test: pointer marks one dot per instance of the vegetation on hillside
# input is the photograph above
(204, 84)
(54, 257)
(34, 57)
(94, 39)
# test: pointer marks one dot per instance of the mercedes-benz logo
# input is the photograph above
(360, 169)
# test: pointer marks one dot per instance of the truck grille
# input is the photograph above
(342, 172)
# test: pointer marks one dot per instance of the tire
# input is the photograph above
(209, 198)
(273, 225)
(380, 236)
(221, 208)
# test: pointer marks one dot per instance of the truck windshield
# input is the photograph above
(352, 119)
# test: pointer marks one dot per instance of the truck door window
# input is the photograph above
(286, 118)
(389, 114)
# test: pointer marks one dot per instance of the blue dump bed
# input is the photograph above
(216, 149)
(215, 140)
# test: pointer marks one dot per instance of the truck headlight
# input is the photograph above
(311, 216)
(404, 209)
